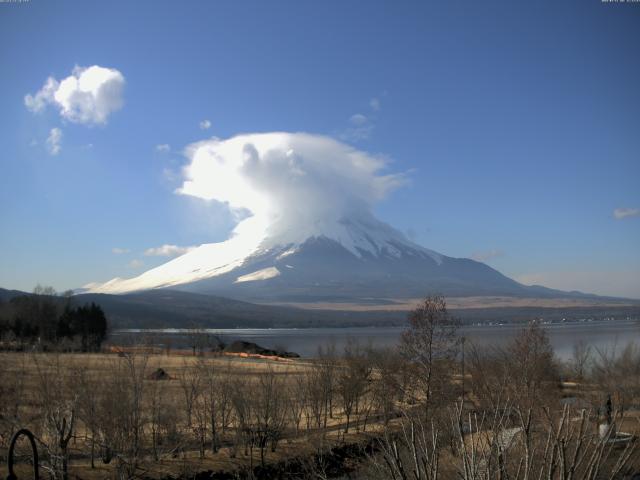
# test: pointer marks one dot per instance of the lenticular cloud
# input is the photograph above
(292, 184)
(288, 186)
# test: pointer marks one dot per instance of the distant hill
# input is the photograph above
(168, 308)
(171, 308)
(6, 295)
(177, 309)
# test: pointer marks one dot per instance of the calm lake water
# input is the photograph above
(603, 335)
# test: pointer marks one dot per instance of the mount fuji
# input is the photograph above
(308, 233)
(352, 259)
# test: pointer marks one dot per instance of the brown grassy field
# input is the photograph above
(461, 303)
(30, 370)
(157, 414)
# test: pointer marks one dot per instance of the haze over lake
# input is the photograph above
(601, 335)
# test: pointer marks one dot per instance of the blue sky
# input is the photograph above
(518, 125)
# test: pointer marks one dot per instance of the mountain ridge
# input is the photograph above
(163, 308)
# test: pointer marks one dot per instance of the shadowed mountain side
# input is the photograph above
(322, 270)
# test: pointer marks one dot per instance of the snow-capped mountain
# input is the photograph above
(310, 233)
(352, 258)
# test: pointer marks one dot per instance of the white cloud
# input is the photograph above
(358, 119)
(282, 187)
(54, 141)
(205, 124)
(170, 175)
(291, 183)
(487, 255)
(135, 263)
(87, 96)
(167, 251)
(119, 251)
(44, 96)
(362, 126)
(357, 134)
(620, 213)
(611, 283)
(163, 147)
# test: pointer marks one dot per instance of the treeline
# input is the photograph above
(51, 321)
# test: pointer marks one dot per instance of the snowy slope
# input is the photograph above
(348, 258)
(364, 236)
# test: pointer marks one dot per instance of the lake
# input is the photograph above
(602, 335)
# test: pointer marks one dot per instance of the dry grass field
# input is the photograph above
(461, 303)
(37, 380)
(144, 413)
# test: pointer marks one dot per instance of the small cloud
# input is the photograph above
(87, 96)
(487, 255)
(163, 147)
(358, 119)
(119, 251)
(135, 263)
(620, 213)
(54, 140)
(362, 126)
(167, 251)
(205, 125)
(357, 134)
(170, 175)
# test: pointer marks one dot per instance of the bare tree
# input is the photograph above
(88, 388)
(618, 374)
(535, 444)
(430, 345)
(59, 404)
(212, 402)
(297, 398)
(121, 412)
(13, 372)
(162, 420)
(387, 385)
(580, 362)
(353, 380)
(262, 413)
(412, 452)
(327, 376)
(189, 379)
(532, 366)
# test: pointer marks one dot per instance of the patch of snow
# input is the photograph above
(264, 274)
(291, 251)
